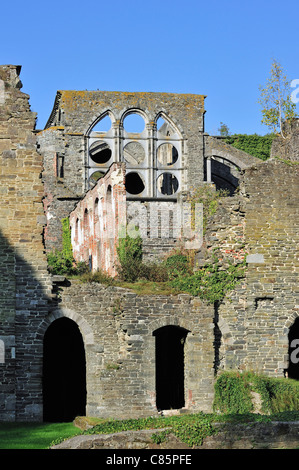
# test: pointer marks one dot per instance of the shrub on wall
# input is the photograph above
(211, 283)
(62, 262)
(129, 252)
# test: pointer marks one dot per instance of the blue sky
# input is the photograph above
(222, 49)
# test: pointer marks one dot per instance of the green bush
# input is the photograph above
(177, 265)
(210, 283)
(278, 394)
(62, 262)
(129, 252)
(256, 145)
(232, 393)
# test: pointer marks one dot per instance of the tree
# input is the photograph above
(223, 130)
(277, 106)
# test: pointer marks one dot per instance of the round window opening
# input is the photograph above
(167, 184)
(96, 176)
(134, 183)
(134, 153)
(100, 152)
(167, 154)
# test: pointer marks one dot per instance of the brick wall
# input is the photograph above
(98, 221)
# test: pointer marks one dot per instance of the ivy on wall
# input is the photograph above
(256, 145)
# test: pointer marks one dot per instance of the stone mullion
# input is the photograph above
(151, 131)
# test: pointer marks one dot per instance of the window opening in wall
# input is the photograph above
(59, 166)
(164, 127)
(2, 351)
(104, 125)
(293, 337)
(100, 152)
(96, 176)
(167, 154)
(134, 153)
(134, 183)
(167, 184)
(64, 372)
(134, 123)
(77, 230)
(170, 369)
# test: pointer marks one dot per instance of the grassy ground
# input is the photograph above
(34, 435)
(190, 428)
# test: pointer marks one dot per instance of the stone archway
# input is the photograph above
(64, 372)
(170, 367)
(293, 350)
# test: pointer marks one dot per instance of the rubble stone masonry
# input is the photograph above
(24, 281)
(247, 330)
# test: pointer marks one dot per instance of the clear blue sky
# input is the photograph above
(222, 49)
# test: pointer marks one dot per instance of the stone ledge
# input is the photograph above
(274, 435)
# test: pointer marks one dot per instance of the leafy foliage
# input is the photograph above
(256, 145)
(209, 197)
(129, 252)
(275, 99)
(278, 395)
(211, 282)
(232, 394)
(62, 262)
(223, 130)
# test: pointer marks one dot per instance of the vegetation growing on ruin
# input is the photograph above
(232, 404)
(258, 146)
(62, 262)
(172, 275)
(211, 282)
(233, 393)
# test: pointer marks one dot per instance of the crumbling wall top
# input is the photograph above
(84, 106)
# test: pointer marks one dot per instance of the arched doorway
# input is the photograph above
(170, 368)
(293, 369)
(64, 372)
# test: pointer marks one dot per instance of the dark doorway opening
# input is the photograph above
(293, 369)
(170, 390)
(64, 372)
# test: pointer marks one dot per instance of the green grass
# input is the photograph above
(190, 428)
(34, 435)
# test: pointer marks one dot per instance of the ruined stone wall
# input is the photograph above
(117, 327)
(287, 148)
(24, 283)
(63, 187)
(71, 141)
(253, 321)
(99, 220)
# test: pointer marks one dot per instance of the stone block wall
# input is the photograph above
(68, 141)
(287, 148)
(117, 327)
(254, 320)
(24, 282)
(63, 180)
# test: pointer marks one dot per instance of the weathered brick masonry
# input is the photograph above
(98, 220)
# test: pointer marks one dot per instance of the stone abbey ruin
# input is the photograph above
(69, 348)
